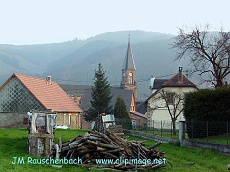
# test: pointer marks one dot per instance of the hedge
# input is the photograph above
(207, 109)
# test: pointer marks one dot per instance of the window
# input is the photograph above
(69, 119)
(76, 119)
(130, 78)
(25, 120)
(170, 98)
(186, 94)
(64, 119)
(132, 108)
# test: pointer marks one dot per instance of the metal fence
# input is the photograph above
(157, 128)
(203, 131)
(208, 131)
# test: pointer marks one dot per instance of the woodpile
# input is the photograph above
(117, 129)
(109, 151)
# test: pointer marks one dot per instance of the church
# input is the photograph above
(129, 83)
(129, 72)
(127, 90)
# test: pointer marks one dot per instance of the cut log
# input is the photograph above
(153, 146)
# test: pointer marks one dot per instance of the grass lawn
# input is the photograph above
(221, 139)
(13, 143)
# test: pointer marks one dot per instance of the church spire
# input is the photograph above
(129, 71)
(129, 62)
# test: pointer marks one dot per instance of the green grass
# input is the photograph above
(221, 139)
(180, 158)
(67, 134)
(13, 143)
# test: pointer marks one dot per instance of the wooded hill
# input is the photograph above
(74, 62)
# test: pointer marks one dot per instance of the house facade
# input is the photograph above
(20, 94)
(168, 98)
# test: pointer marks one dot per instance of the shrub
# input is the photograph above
(207, 109)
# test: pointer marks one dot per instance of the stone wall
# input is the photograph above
(189, 143)
(13, 120)
(204, 145)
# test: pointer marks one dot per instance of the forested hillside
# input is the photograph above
(74, 62)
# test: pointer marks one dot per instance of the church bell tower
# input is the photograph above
(129, 72)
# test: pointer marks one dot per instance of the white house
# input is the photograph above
(168, 98)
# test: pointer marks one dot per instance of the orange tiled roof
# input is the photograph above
(51, 96)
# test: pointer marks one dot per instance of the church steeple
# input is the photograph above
(129, 62)
(129, 71)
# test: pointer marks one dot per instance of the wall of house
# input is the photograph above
(140, 121)
(84, 124)
(13, 120)
(69, 119)
(72, 120)
(157, 110)
(15, 97)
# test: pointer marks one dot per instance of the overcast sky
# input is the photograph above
(47, 21)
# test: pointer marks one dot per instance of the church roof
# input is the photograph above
(129, 62)
(141, 107)
(85, 92)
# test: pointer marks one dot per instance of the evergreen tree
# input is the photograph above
(121, 115)
(101, 98)
(120, 110)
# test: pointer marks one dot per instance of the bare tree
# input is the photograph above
(173, 102)
(209, 52)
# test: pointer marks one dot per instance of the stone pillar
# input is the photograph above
(181, 131)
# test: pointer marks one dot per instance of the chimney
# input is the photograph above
(180, 79)
(151, 82)
(48, 80)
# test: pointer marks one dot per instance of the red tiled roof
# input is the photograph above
(51, 96)
(174, 82)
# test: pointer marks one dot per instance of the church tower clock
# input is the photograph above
(129, 72)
